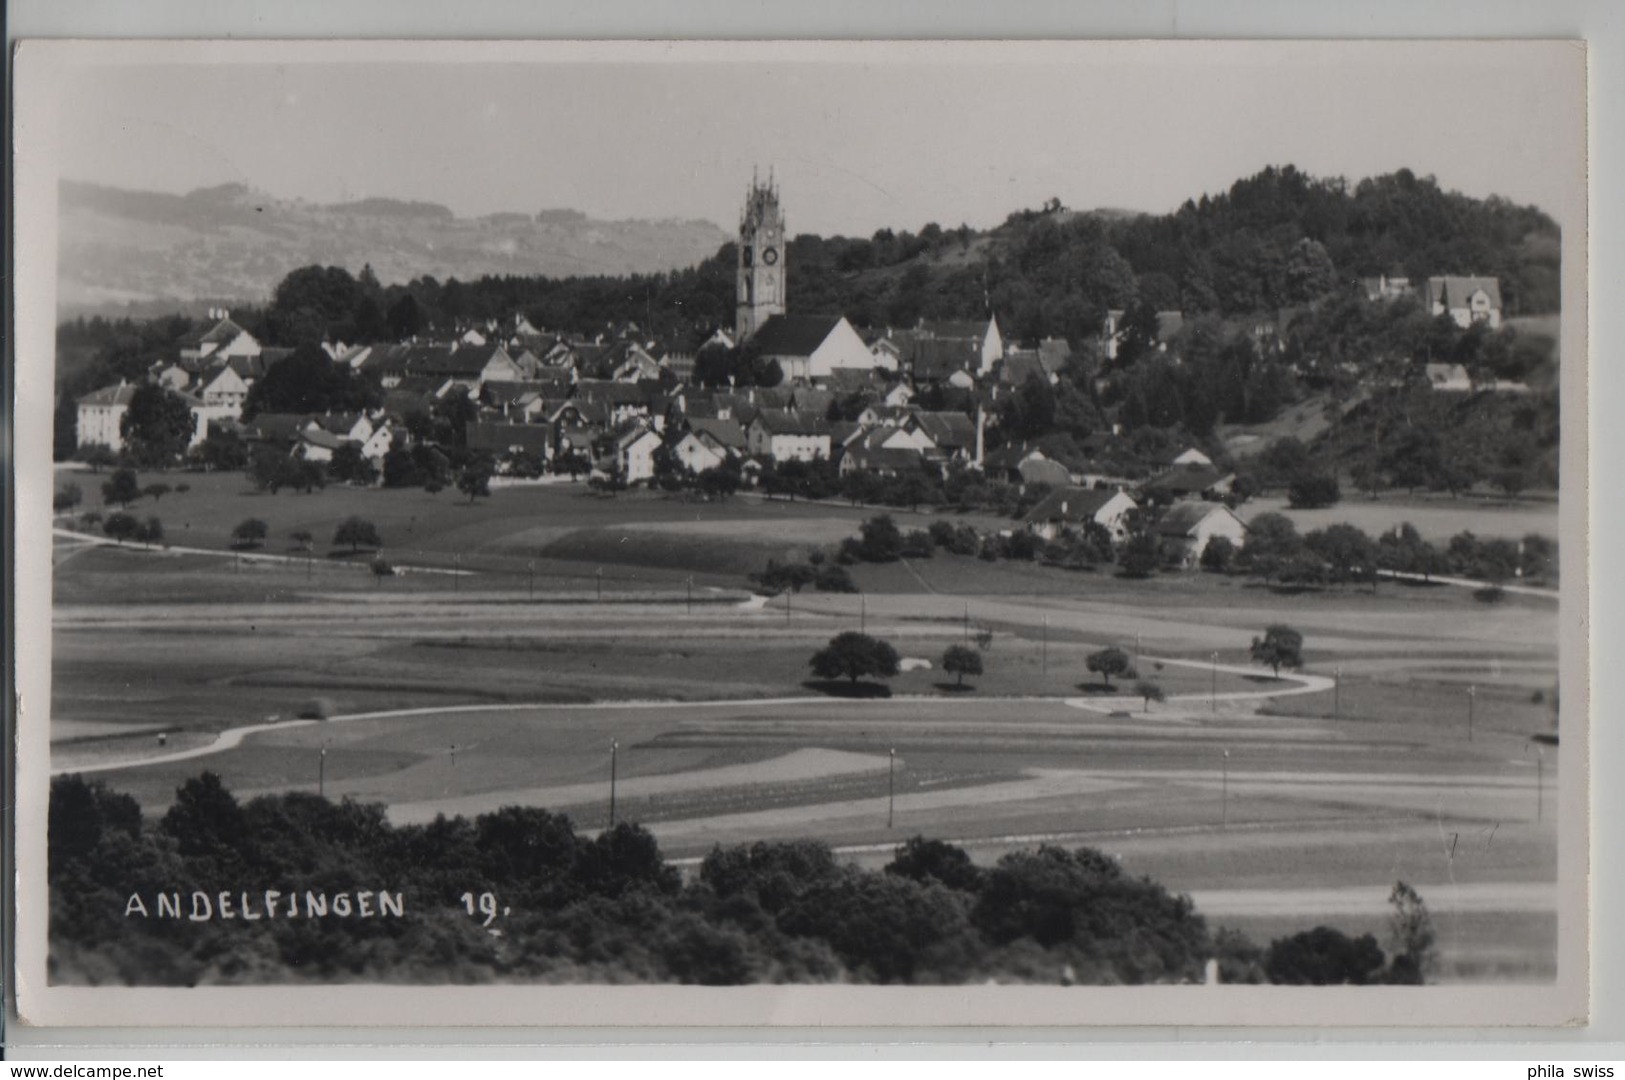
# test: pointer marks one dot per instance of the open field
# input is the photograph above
(1436, 518)
(1285, 810)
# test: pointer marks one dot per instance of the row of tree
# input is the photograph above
(556, 905)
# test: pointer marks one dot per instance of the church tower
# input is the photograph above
(761, 259)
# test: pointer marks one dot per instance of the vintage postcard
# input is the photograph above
(802, 533)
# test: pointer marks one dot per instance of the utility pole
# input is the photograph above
(600, 576)
(1043, 656)
(690, 609)
(1224, 791)
(1213, 690)
(614, 747)
(863, 614)
(456, 571)
(530, 568)
(1540, 782)
(787, 594)
(1136, 653)
(1337, 692)
(967, 622)
(321, 774)
(891, 787)
(1472, 697)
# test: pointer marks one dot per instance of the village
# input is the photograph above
(790, 404)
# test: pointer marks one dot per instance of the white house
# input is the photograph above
(781, 435)
(1071, 507)
(224, 387)
(695, 454)
(1193, 524)
(221, 341)
(812, 346)
(635, 454)
(1449, 378)
(1467, 300)
(1190, 456)
(101, 412)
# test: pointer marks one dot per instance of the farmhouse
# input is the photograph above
(635, 454)
(812, 346)
(1467, 300)
(1189, 482)
(223, 340)
(981, 338)
(781, 435)
(696, 455)
(1449, 378)
(507, 439)
(1071, 507)
(1190, 526)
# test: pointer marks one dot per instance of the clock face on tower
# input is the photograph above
(770, 256)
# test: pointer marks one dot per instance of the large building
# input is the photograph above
(761, 259)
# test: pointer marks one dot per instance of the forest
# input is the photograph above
(570, 906)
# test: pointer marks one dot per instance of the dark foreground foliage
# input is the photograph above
(564, 907)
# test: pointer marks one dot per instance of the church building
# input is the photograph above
(761, 259)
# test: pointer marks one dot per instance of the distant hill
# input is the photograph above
(136, 252)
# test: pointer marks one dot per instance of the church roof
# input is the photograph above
(794, 335)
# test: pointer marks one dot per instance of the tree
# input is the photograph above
(961, 660)
(222, 451)
(249, 533)
(157, 426)
(1140, 555)
(1281, 646)
(1108, 662)
(1217, 554)
(1149, 691)
(122, 487)
(66, 498)
(303, 539)
(1411, 936)
(151, 531)
(156, 491)
(854, 656)
(882, 540)
(308, 381)
(98, 456)
(348, 466)
(122, 526)
(1311, 491)
(1323, 957)
(356, 532)
(475, 480)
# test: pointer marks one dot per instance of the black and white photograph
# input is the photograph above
(964, 533)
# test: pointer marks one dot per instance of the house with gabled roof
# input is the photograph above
(222, 338)
(1071, 507)
(723, 436)
(501, 439)
(1188, 482)
(635, 453)
(1467, 300)
(980, 336)
(696, 454)
(952, 434)
(223, 387)
(811, 346)
(783, 435)
(1191, 525)
(879, 460)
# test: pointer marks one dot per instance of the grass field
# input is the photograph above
(1286, 810)
(1436, 518)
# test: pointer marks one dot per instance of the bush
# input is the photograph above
(1313, 490)
(881, 540)
(917, 544)
(834, 579)
(66, 498)
(249, 533)
(1324, 957)
(1108, 662)
(1148, 692)
(1490, 594)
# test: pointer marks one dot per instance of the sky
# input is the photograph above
(859, 137)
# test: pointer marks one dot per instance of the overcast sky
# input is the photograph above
(871, 138)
